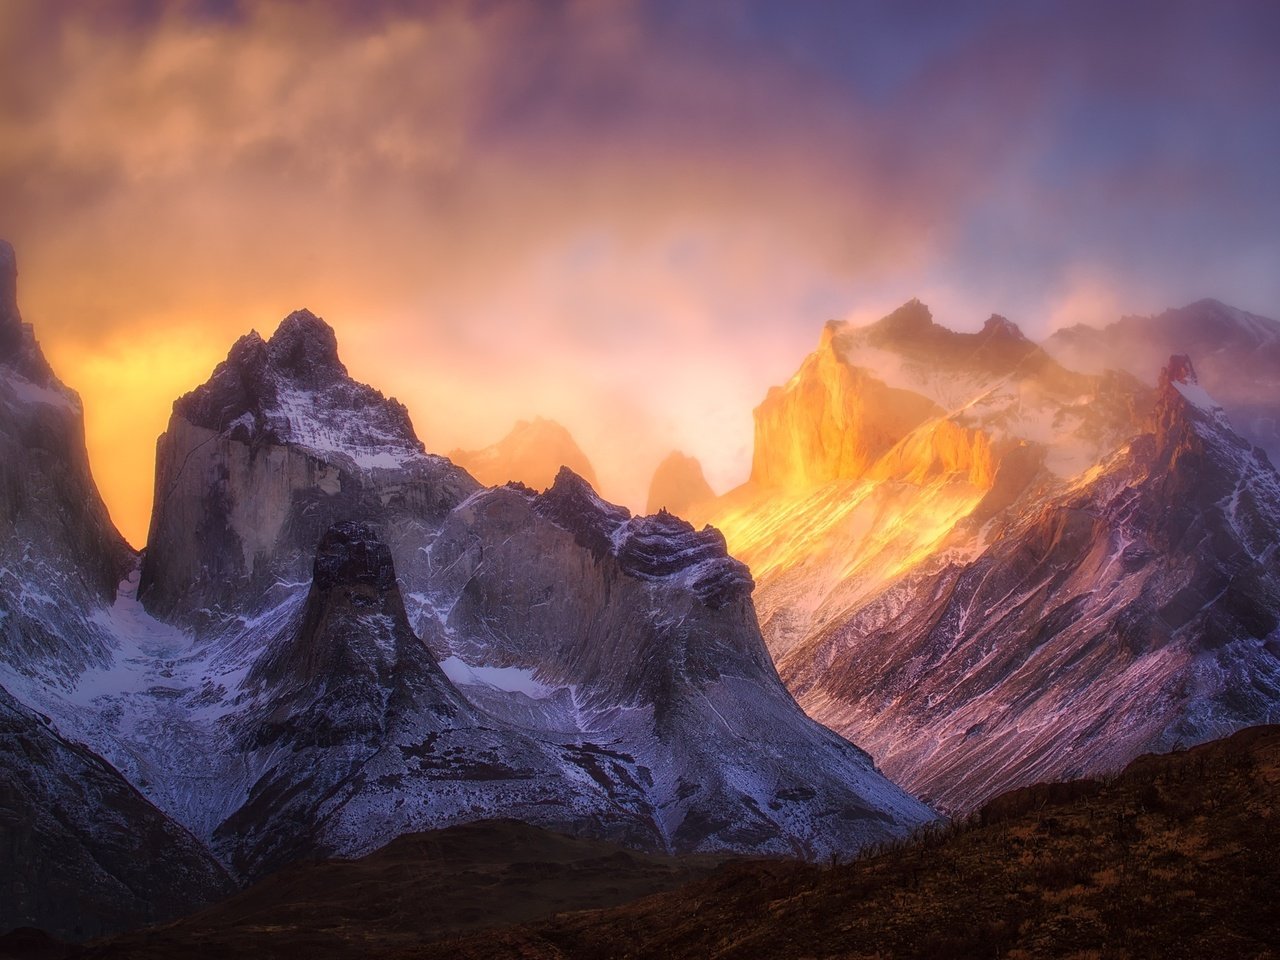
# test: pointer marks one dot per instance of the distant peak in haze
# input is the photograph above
(911, 316)
(678, 483)
(532, 453)
(999, 326)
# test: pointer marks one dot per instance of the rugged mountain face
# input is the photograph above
(1028, 585)
(60, 555)
(1135, 610)
(1237, 356)
(336, 638)
(532, 454)
(678, 485)
(934, 435)
(257, 463)
(82, 853)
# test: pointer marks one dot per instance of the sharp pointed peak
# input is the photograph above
(912, 315)
(998, 325)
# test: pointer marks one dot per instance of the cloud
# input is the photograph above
(631, 217)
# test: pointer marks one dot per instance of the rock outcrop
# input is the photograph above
(60, 556)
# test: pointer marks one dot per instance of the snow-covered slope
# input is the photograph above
(82, 853)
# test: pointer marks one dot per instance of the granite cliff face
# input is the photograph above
(532, 454)
(678, 486)
(60, 555)
(257, 463)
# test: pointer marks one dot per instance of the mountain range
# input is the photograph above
(992, 570)
(334, 638)
(984, 562)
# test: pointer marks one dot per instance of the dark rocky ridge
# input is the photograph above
(82, 853)
(653, 547)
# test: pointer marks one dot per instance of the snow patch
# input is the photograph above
(508, 679)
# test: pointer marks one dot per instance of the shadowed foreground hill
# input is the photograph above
(1174, 858)
(418, 887)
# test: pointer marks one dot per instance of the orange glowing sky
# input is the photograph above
(629, 217)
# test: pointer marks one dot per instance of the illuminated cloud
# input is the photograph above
(629, 217)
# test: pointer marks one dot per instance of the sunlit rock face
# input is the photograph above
(1237, 356)
(831, 421)
(1058, 573)
(1133, 610)
(532, 454)
(939, 433)
(678, 485)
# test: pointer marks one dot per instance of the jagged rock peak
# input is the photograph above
(307, 348)
(660, 546)
(571, 503)
(293, 388)
(1182, 402)
(1179, 370)
(911, 316)
(999, 326)
(351, 554)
